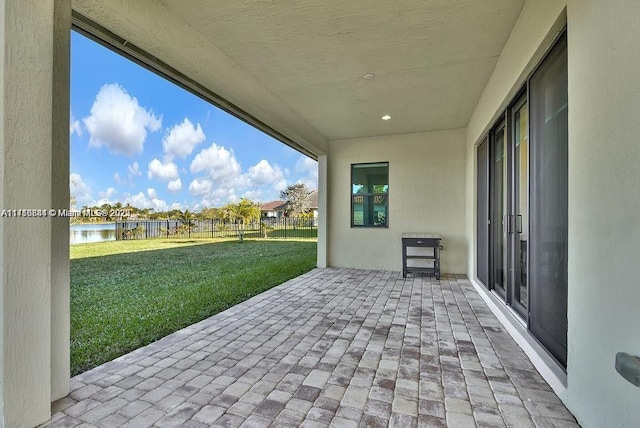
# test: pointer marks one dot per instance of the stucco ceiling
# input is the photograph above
(431, 58)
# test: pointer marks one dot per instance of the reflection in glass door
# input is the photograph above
(510, 207)
(520, 207)
(499, 211)
(483, 222)
(549, 224)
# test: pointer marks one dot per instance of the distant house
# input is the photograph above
(273, 209)
(313, 198)
(276, 209)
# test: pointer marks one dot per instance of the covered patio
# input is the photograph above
(462, 104)
(336, 346)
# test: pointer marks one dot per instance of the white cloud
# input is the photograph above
(182, 139)
(224, 174)
(309, 170)
(74, 126)
(200, 187)
(134, 170)
(80, 190)
(263, 174)
(118, 122)
(103, 201)
(150, 200)
(310, 183)
(107, 194)
(106, 197)
(225, 180)
(306, 164)
(174, 185)
(220, 164)
(253, 195)
(162, 171)
(119, 179)
(227, 195)
(217, 198)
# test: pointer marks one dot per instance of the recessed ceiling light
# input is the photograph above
(386, 117)
(368, 76)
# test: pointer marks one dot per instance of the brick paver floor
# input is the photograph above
(333, 347)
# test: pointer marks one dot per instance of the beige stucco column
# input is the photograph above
(34, 169)
(323, 212)
(60, 322)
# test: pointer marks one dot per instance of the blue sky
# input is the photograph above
(137, 138)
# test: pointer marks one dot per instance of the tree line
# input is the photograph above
(295, 198)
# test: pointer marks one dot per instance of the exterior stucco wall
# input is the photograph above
(34, 111)
(426, 194)
(60, 276)
(323, 235)
(604, 202)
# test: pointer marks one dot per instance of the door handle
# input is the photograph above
(509, 223)
(519, 223)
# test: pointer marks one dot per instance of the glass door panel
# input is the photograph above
(520, 208)
(483, 213)
(499, 212)
(549, 202)
(510, 207)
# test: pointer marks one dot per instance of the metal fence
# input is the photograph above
(267, 227)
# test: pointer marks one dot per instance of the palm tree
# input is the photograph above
(186, 218)
(243, 212)
(107, 209)
(210, 213)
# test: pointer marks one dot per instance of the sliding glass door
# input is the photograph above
(519, 208)
(499, 216)
(509, 196)
(549, 202)
(483, 212)
(522, 204)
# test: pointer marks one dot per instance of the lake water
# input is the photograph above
(84, 233)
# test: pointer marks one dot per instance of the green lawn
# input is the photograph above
(126, 294)
(299, 232)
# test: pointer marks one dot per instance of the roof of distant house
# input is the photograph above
(273, 206)
(313, 198)
(281, 205)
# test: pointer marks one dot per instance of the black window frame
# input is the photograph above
(370, 194)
